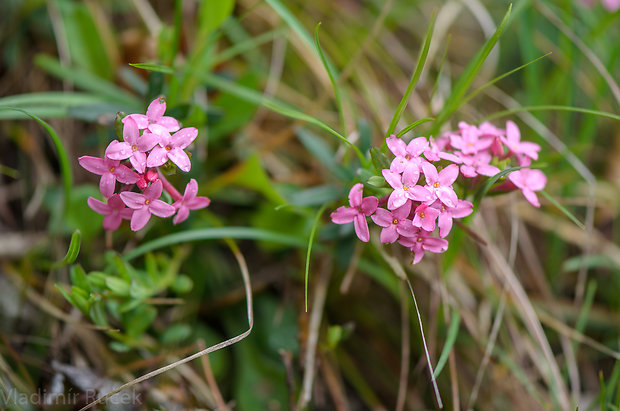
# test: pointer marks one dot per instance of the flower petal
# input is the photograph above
(369, 205)
(419, 193)
(190, 190)
(445, 223)
(156, 109)
(513, 136)
(435, 245)
(140, 218)
(133, 200)
(531, 197)
(125, 175)
(169, 123)
(355, 195)
(115, 202)
(448, 175)
(181, 216)
(95, 165)
(382, 217)
(396, 199)
(157, 157)
(197, 203)
(417, 146)
(130, 131)
(98, 206)
(153, 191)
(402, 211)
(184, 137)
(112, 222)
(430, 172)
(343, 215)
(161, 209)
(396, 146)
(141, 120)
(118, 151)
(180, 158)
(361, 228)
(138, 161)
(389, 235)
(107, 184)
(393, 179)
(147, 141)
(447, 196)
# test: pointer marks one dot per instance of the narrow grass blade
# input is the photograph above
(498, 78)
(242, 47)
(453, 331)
(489, 183)
(413, 125)
(153, 67)
(72, 252)
(564, 210)
(291, 21)
(505, 113)
(61, 152)
(414, 78)
(240, 233)
(328, 68)
(315, 225)
(455, 100)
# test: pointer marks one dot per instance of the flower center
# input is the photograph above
(168, 148)
(422, 215)
(405, 188)
(443, 207)
(395, 221)
(111, 169)
(419, 240)
(134, 148)
(408, 157)
(146, 202)
(436, 185)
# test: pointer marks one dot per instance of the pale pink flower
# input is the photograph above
(146, 204)
(463, 209)
(114, 211)
(440, 184)
(171, 148)
(469, 142)
(524, 151)
(360, 208)
(435, 151)
(189, 202)
(404, 188)
(134, 146)
(155, 115)
(425, 217)
(407, 160)
(393, 222)
(422, 241)
(529, 181)
(478, 164)
(110, 171)
(611, 5)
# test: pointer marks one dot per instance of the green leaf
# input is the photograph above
(96, 280)
(213, 13)
(138, 320)
(377, 181)
(153, 67)
(551, 108)
(413, 125)
(315, 196)
(176, 334)
(317, 147)
(78, 278)
(330, 72)
(118, 286)
(66, 294)
(182, 284)
(489, 183)
(414, 77)
(455, 100)
(80, 297)
(72, 252)
(239, 233)
(453, 331)
(97, 313)
(379, 160)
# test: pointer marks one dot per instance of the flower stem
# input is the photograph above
(176, 196)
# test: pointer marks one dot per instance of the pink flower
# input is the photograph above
(404, 188)
(422, 241)
(524, 151)
(463, 209)
(611, 5)
(393, 223)
(155, 115)
(478, 164)
(171, 147)
(440, 184)
(435, 150)
(114, 211)
(425, 217)
(145, 179)
(359, 210)
(134, 146)
(110, 171)
(529, 181)
(469, 141)
(408, 158)
(146, 204)
(189, 202)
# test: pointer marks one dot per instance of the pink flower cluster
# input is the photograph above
(610, 5)
(423, 200)
(147, 144)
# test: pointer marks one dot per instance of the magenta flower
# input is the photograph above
(146, 204)
(408, 158)
(155, 115)
(524, 151)
(114, 211)
(422, 241)
(134, 146)
(404, 188)
(171, 148)
(529, 181)
(189, 202)
(440, 184)
(394, 222)
(360, 208)
(110, 171)
(425, 217)
(463, 209)
(145, 179)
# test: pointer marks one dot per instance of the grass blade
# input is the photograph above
(414, 78)
(310, 242)
(564, 210)
(414, 125)
(505, 113)
(455, 100)
(61, 152)
(453, 331)
(489, 183)
(153, 67)
(328, 68)
(72, 252)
